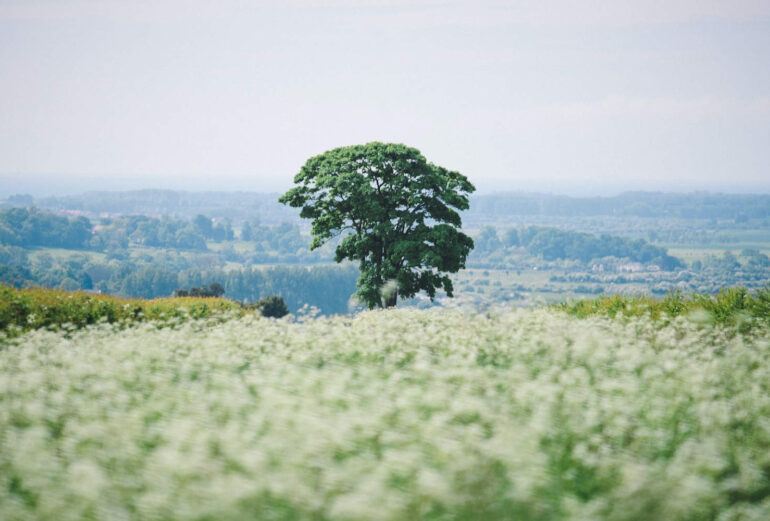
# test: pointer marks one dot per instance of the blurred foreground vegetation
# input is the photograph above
(32, 308)
(730, 307)
(388, 415)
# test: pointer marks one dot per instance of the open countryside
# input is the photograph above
(384, 260)
(200, 408)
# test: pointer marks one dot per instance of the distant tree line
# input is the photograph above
(697, 205)
(29, 227)
(164, 232)
(214, 289)
(326, 287)
(282, 243)
(554, 244)
(245, 205)
(237, 206)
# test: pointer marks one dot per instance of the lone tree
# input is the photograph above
(396, 214)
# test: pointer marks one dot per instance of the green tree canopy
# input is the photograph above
(272, 306)
(396, 213)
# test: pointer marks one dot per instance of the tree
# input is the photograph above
(396, 214)
(203, 225)
(15, 276)
(487, 241)
(272, 306)
(246, 231)
(511, 237)
(216, 289)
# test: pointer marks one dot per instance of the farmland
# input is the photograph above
(529, 250)
(401, 414)
(648, 400)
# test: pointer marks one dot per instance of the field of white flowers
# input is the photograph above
(394, 415)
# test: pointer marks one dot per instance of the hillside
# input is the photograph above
(149, 257)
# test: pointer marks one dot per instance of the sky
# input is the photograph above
(577, 98)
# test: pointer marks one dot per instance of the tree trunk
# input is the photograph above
(391, 300)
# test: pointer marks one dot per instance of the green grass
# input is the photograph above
(27, 309)
(730, 307)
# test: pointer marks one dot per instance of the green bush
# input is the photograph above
(272, 306)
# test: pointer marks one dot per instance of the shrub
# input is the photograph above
(272, 306)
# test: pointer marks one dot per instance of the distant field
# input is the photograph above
(239, 246)
(395, 415)
(61, 254)
(694, 253)
(691, 254)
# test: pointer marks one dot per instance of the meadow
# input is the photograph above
(33, 308)
(390, 415)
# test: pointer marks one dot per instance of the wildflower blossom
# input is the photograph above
(388, 415)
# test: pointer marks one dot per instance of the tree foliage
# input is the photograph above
(396, 213)
(554, 244)
(272, 306)
(215, 289)
(29, 227)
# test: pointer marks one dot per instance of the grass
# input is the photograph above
(26, 309)
(730, 307)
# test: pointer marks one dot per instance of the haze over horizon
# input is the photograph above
(578, 100)
(41, 186)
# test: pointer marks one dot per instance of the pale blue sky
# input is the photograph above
(593, 98)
